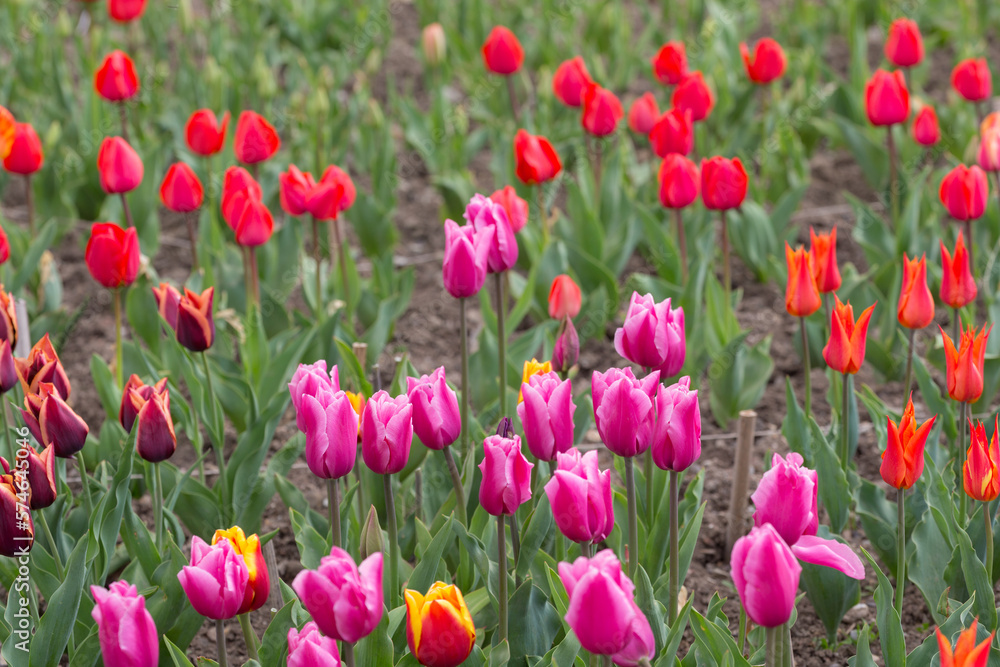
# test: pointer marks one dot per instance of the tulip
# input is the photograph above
(154, 435)
(601, 110)
(602, 610)
(506, 483)
(723, 183)
(679, 182)
(195, 324)
(823, 251)
(904, 47)
(168, 300)
(238, 188)
(485, 214)
(255, 224)
(570, 80)
(536, 159)
(309, 380)
(258, 582)
(670, 64)
(256, 139)
(295, 187)
(579, 493)
(516, 208)
(439, 627)
(971, 79)
(767, 62)
(766, 574)
(42, 477)
(676, 438)
(8, 318)
(887, 101)
(989, 145)
(25, 156)
(652, 335)
(42, 365)
(309, 648)
(344, 599)
(845, 351)
(204, 134)
(181, 190)
(926, 130)
(966, 653)
(116, 79)
(135, 395)
(916, 305)
(119, 165)
(330, 423)
(546, 415)
(112, 254)
(386, 433)
(53, 422)
(466, 258)
(436, 420)
(623, 409)
(125, 628)
(903, 458)
(432, 40)
(673, 132)
(216, 580)
(958, 286)
(981, 473)
(8, 368)
(7, 129)
(963, 192)
(17, 531)
(566, 351)
(693, 94)
(643, 114)
(535, 367)
(964, 365)
(124, 11)
(333, 194)
(502, 53)
(4, 247)
(564, 298)
(802, 297)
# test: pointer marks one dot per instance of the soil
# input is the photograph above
(428, 332)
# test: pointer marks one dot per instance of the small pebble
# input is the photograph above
(856, 613)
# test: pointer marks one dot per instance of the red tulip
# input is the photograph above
(904, 46)
(564, 298)
(964, 365)
(823, 249)
(694, 94)
(767, 63)
(670, 64)
(8, 318)
(536, 159)
(120, 167)
(601, 111)
(516, 208)
(916, 305)
(135, 395)
(673, 132)
(25, 156)
(971, 79)
(155, 439)
(255, 223)
(181, 190)
(958, 286)
(333, 194)
(167, 302)
(4, 246)
(926, 131)
(723, 183)
(203, 134)
(643, 114)
(679, 181)
(502, 53)
(52, 422)
(845, 351)
(981, 472)
(195, 323)
(124, 11)
(256, 139)
(116, 79)
(294, 187)
(238, 187)
(964, 191)
(903, 458)
(569, 81)
(887, 101)
(113, 254)
(802, 297)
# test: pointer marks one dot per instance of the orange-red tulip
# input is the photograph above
(981, 473)
(670, 63)
(439, 627)
(916, 305)
(7, 125)
(823, 248)
(845, 351)
(903, 458)
(564, 297)
(958, 286)
(801, 294)
(965, 653)
(964, 365)
(25, 155)
(926, 130)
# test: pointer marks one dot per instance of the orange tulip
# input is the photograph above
(982, 465)
(845, 351)
(966, 653)
(439, 627)
(916, 305)
(801, 294)
(965, 365)
(958, 286)
(903, 458)
(7, 127)
(823, 248)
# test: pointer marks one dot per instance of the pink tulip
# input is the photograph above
(125, 629)
(580, 496)
(386, 433)
(566, 351)
(602, 610)
(506, 473)
(623, 409)
(766, 574)
(677, 434)
(466, 257)
(216, 580)
(436, 419)
(331, 427)
(344, 599)
(652, 335)
(547, 415)
(485, 214)
(307, 380)
(309, 648)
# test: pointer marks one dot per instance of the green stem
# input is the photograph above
(779, 646)
(342, 262)
(390, 513)
(806, 367)
(606, 660)
(512, 95)
(347, 653)
(501, 344)
(249, 636)
(633, 523)
(220, 454)
(254, 275)
(333, 499)
(502, 561)
(52, 543)
(88, 502)
(464, 343)
(743, 630)
(191, 220)
(586, 548)
(456, 481)
(681, 243)
(542, 217)
(786, 654)
(909, 366)
(515, 540)
(727, 282)
(158, 506)
(317, 258)
(647, 469)
(963, 445)
(769, 650)
(127, 211)
(893, 190)
(988, 520)
(119, 366)
(30, 196)
(674, 565)
(845, 451)
(220, 642)
(900, 549)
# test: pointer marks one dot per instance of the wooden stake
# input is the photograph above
(741, 478)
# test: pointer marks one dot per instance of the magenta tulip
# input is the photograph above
(309, 648)
(677, 434)
(506, 475)
(580, 496)
(331, 427)
(125, 629)
(546, 415)
(466, 257)
(766, 574)
(386, 433)
(308, 380)
(566, 351)
(344, 599)
(436, 419)
(485, 214)
(652, 335)
(623, 409)
(216, 580)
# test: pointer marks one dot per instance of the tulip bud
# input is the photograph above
(263, 77)
(434, 44)
(926, 131)
(673, 132)
(845, 351)
(256, 139)
(564, 298)
(124, 11)
(64, 25)
(958, 285)
(120, 167)
(989, 144)
(823, 250)
(670, 63)
(623, 409)
(972, 80)
(536, 160)
(386, 433)
(126, 630)
(203, 134)
(916, 305)
(155, 439)
(216, 580)
(181, 190)
(566, 351)
(370, 541)
(7, 127)
(52, 422)
(801, 293)
(25, 155)
(904, 47)
(212, 73)
(167, 302)
(601, 110)
(723, 183)
(964, 365)
(17, 531)
(981, 472)
(679, 181)
(964, 192)
(570, 80)
(309, 648)
(439, 627)
(356, 589)
(318, 105)
(643, 114)
(485, 214)
(767, 62)
(580, 496)
(195, 323)
(546, 415)
(693, 94)
(42, 477)
(502, 52)
(135, 395)
(676, 436)
(116, 79)
(8, 369)
(516, 208)
(766, 574)
(112, 254)
(506, 473)
(436, 418)
(652, 335)
(41, 365)
(887, 101)
(309, 380)
(466, 258)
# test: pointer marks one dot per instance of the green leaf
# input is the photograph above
(312, 545)
(30, 261)
(834, 489)
(274, 643)
(177, 655)
(499, 655)
(56, 624)
(864, 656)
(426, 570)
(537, 527)
(534, 623)
(375, 650)
(831, 592)
(890, 629)
(716, 641)
(795, 428)
(977, 582)
(88, 651)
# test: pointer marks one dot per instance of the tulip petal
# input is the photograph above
(829, 553)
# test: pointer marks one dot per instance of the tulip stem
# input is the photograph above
(219, 447)
(909, 365)
(220, 642)
(674, 565)
(586, 548)
(191, 218)
(158, 506)
(681, 243)
(963, 444)
(317, 258)
(598, 168)
(128, 212)
(512, 95)
(779, 646)
(786, 653)
(30, 197)
(333, 499)
(119, 366)
(390, 514)
(515, 540)
(633, 524)
(502, 572)
(347, 653)
(743, 630)
(52, 543)
(464, 343)
(900, 549)
(972, 262)
(456, 480)
(893, 190)
(254, 278)
(88, 502)
(806, 367)
(606, 661)
(647, 469)
(249, 636)
(342, 262)
(501, 344)
(543, 217)
(123, 116)
(726, 279)
(845, 449)
(769, 647)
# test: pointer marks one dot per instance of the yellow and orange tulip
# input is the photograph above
(439, 627)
